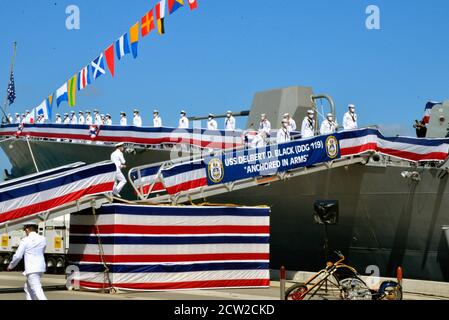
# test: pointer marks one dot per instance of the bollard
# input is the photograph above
(282, 276)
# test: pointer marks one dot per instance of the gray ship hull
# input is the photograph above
(385, 220)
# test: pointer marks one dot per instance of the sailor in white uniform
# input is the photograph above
(17, 118)
(291, 123)
(74, 120)
(123, 119)
(32, 249)
(212, 124)
(184, 121)
(10, 119)
(308, 125)
(157, 120)
(259, 140)
(137, 121)
(265, 125)
(58, 119)
(328, 126)
(120, 163)
(108, 120)
(283, 133)
(66, 119)
(81, 119)
(229, 122)
(89, 120)
(28, 117)
(97, 118)
(350, 119)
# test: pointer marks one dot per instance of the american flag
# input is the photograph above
(11, 89)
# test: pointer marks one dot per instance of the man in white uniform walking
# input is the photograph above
(32, 248)
(120, 163)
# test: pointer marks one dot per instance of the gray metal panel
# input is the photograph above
(436, 127)
(275, 103)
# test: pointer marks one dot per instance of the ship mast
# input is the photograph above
(11, 69)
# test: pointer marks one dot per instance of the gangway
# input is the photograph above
(51, 194)
(185, 180)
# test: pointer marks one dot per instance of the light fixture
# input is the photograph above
(415, 176)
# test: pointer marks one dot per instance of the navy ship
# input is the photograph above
(391, 212)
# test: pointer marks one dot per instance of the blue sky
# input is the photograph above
(216, 57)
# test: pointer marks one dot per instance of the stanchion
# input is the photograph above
(282, 286)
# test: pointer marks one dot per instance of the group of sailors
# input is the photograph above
(288, 126)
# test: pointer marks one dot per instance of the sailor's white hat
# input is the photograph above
(229, 112)
(136, 111)
(211, 115)
(263, 115)
(183, 112)
(330, 115)
(351, 106)
(118, 145)
(123, 112)
(311, 112)
(156, 111)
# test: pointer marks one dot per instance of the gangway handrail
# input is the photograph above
(375, 144)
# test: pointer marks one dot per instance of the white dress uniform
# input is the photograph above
(98, 120)
(74, 120)
(18, 120)
(33, 249)
(67, 120)
(82, 120)
(265, 126)
(283, 136)
(123, 122)
(58, 120)
(350, 121)
(89, 120)
(292, 125)
(184, 123)
(120, 180)
(328, 127)
(137, 122)
(230, 124)
(258, 141)
(10, 119)
(308, 128)
(212, 125)
(157, 122)
(108, 122)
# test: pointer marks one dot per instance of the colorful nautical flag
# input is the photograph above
(193, 4)
(109, 54)
(174, 5)
(61, 94)
(83, 78)
(134, 37)
(72, 90)
(122, 46)
(160, 16)
(147, 23)
(98, 67)
(11, 89)
(50, 106)
(43, 110)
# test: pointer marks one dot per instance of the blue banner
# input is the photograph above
(271, 160)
